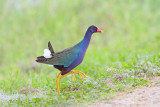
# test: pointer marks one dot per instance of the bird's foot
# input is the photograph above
(79, 73)
(74, 76)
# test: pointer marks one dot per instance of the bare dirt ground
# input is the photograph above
(139, 97)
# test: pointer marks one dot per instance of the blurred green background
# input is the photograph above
(131, 34)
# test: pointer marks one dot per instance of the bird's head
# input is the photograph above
(94, 29)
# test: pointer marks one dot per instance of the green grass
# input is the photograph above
(120, 58)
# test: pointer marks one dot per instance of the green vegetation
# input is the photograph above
(120, 58)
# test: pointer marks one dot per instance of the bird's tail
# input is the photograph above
(43, 59)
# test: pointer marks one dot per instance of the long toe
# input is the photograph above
(74, 77)
(82, 73)
(81, 76)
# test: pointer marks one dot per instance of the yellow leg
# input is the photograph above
(57, 82)
(61, 76)
(58, 78)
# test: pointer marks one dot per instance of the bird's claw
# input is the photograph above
(81, 76)
(74, 76)
(79, 73)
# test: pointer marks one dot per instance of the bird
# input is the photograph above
(66, 60)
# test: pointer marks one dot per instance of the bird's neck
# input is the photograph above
(87, 37)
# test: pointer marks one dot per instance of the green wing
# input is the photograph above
(65, 57)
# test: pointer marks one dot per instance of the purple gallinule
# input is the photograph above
(69, 58)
